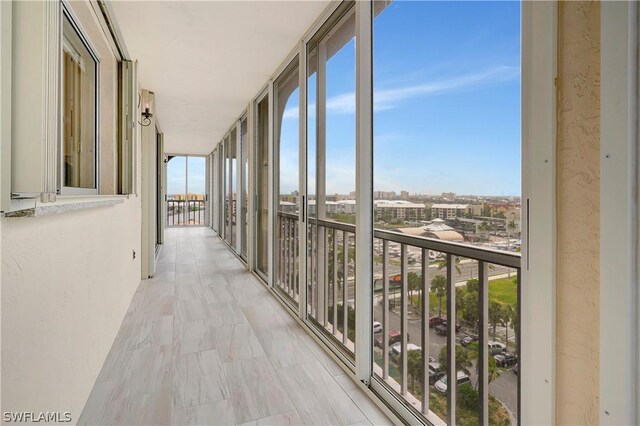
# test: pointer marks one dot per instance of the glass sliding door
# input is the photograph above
(331, 181)
(186, 190)
(196, 190)
(227, 190)
(214, 190)
(233, 187)
(222, 209)
(286, 150)
(176, 189)
(244, 190)
(261, 185)
(446, 121)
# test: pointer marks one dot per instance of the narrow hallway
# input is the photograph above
(204, 342)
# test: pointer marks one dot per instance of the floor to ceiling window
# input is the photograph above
(232, 177)
(186, 190)
(227, 190)
(287, 96)
(244, 190)
(262, 186)
(447, 167)
(331, 180)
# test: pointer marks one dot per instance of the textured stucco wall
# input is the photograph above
(578, 213)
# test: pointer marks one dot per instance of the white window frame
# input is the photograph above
(619, 221)
(65, 11)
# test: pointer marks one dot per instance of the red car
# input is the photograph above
(434, 320)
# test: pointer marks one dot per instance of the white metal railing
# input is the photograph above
(401, 258)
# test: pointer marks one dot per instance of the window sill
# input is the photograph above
(63, 204)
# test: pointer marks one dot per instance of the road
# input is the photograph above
(468, 270)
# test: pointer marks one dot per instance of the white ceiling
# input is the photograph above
(206, 60)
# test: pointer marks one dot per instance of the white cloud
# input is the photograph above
(386, 99)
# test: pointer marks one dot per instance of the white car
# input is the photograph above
(441, 385)
(496, 347)
(377, 327)
(396, 349)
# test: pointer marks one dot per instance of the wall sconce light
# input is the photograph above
(146, 120)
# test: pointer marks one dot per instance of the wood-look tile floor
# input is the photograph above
(204, 342)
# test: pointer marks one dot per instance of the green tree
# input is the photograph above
(439, 287)
(415, 284)
(414, 367)
(508, 317)
(463, 361)
(494, 371)
(495, 316)
(442, 263)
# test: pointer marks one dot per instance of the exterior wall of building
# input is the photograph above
(578, 213)
(67, 281)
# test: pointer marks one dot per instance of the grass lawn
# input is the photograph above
(503, 291)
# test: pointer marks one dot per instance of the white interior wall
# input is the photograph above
(67, 281)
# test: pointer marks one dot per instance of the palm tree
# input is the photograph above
(439, 287)
(414, 367)
(415, 284)
(463, 359)
(509, 317)
(442, 263)
(493, 372)
(496, 316)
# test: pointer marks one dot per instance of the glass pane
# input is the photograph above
(262, 182)
(232, 180)
(227, 190)
(222, 208)
(287, 152)
(446, 122)
(176, 187)
(79, 111)
(331, 182)
(244, 194)
(196, 190)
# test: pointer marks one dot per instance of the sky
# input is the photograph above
(446, 105)
(176, 175)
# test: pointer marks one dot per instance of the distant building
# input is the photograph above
(288, 207)
(384, 195)
(448, 195)
(347, 206)
(404, 195)
(449, 211)
(399, 210)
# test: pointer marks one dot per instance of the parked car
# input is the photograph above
(496, 347)
(457, 324)
(396, 350)
(466, 340)
(441, 385)
(441, 329)
(506, 359)
(435, 372)
(394, 337)
(377, 327)
(435, 320)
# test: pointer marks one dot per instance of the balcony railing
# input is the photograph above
(415, 347)
(186, 212)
